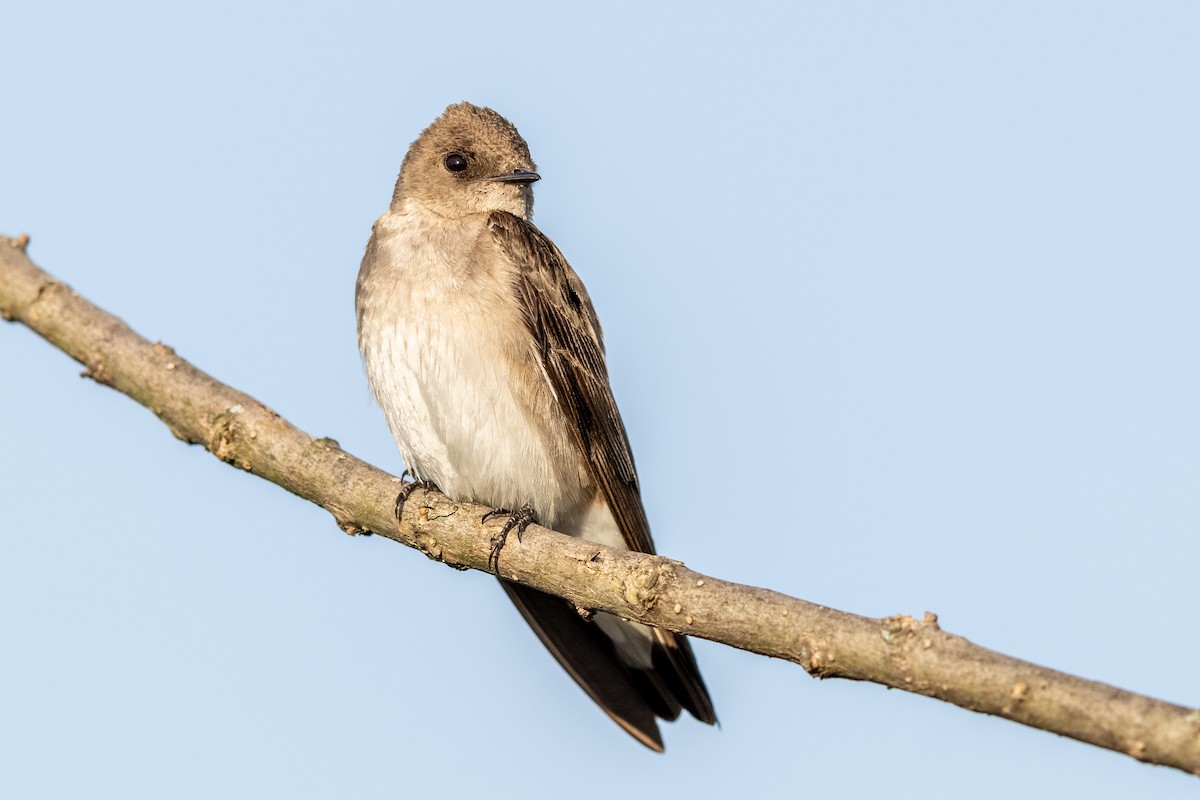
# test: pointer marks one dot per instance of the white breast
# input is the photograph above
(452, 365)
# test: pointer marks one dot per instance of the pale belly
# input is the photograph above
(470, 411)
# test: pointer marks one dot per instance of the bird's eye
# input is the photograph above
(456, 162)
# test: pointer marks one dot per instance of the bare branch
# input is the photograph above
(899, 652)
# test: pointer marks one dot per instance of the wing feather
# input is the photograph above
(570, 349)
(560, 316)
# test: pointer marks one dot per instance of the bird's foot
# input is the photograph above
(408, 489)
(517, 520)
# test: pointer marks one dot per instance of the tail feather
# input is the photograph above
(633, 697)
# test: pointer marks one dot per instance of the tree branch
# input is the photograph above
(899, 652)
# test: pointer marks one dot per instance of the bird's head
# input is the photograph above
(470, 160)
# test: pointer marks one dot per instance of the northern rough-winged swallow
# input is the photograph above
(486, 355)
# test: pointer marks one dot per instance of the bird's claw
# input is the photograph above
(407, 490)
(517, 520)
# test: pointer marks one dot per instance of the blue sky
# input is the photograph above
(901, 311)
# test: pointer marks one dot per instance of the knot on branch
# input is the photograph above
(225, 434)
(327, 443)
(645, 584)
(908, 639)
(902, 628)
(346, 522)
(97, 369)
(47, 287)
(817, 659)
(166, 356)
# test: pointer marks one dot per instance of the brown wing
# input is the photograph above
(567, 334)
(560, 316)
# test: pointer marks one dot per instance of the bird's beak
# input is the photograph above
(517, 176)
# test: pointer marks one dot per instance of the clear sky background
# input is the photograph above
(901, 303)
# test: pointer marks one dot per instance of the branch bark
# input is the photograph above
(900, 652)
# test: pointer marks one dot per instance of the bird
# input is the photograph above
(485, 353)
